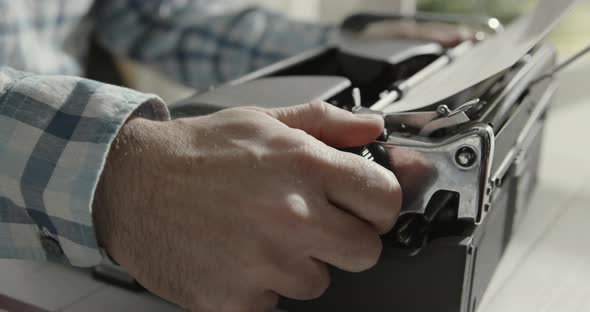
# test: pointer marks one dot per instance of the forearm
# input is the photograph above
(203, 43)
(55, 133)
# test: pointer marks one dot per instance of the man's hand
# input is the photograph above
(228, 211)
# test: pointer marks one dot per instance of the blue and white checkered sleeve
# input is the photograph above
(204, 42)
(55, 133)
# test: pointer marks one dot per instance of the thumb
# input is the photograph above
(331, 125)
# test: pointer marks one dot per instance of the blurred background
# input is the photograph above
(569, 37)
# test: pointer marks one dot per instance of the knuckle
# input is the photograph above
(389, 199)
(351, 162)
(395, 198)
(255, 109)
(306, 158)
(370, 254)
(245, 110)
(318, 108)
(393, 205)
(287, 141)
(298, 216)
(297, 212)
(231, 112)
(316, 284)
(304, 161)
(298, 138)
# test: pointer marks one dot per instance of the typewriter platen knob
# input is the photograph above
(409, 234)
(377, 153)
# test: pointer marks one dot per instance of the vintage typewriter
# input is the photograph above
(467, 122)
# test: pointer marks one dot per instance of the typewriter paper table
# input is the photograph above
(546, 267)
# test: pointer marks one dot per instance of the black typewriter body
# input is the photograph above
(477, 153)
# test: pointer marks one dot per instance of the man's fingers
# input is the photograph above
(364, 189)
(247, 300)
(414, 172)
(301, 279)
(344, 241)
(331, 125)
(264, 302)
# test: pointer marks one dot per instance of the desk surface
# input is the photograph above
(545, 268)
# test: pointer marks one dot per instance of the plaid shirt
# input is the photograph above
(56, 129)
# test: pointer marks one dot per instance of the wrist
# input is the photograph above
(117, 181)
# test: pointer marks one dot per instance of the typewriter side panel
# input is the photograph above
(509, 204)
(513, 189)
(491, 239)
(526, 171)
(434, 280)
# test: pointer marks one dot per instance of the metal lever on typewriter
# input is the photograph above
(413, 230)
(564, 64)
(421, 123)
